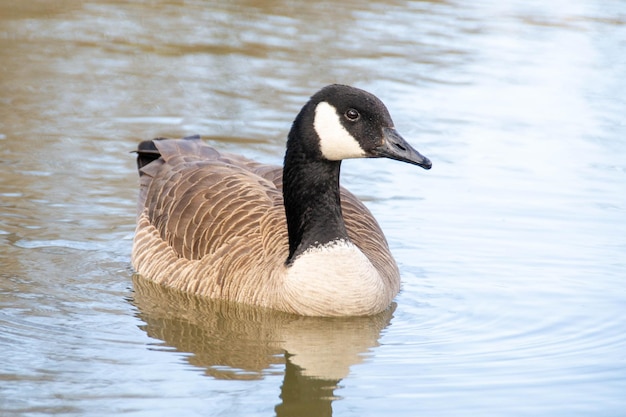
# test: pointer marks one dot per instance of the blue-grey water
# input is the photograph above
(512, 249)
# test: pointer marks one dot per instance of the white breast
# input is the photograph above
(335, 279)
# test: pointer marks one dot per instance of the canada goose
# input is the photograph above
(291, 239)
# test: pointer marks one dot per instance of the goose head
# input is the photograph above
(342, 122)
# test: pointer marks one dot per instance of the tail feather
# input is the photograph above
(147, 151)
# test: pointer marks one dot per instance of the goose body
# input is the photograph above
(286, 238)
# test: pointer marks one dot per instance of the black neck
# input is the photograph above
(311, 196)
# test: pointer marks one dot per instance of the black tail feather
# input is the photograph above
(148, 152)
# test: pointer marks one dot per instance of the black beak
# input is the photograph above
(395, 147)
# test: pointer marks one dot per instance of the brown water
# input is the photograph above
(512, 248)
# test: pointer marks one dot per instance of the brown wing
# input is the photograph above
(201, 201)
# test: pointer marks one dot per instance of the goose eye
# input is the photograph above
(352, 115)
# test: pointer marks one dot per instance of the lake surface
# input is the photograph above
(512, 249)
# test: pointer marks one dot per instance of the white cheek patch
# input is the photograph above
(335, 141)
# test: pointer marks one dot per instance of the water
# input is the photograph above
(512, 248)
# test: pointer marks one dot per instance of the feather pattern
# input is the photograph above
(214, 224)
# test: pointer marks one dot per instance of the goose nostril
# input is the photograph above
(397, 145)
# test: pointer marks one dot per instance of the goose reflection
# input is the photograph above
(232, 341)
